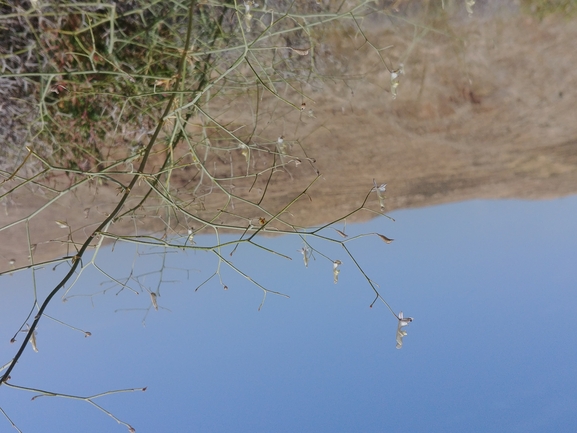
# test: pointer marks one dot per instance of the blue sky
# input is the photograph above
(491, 286)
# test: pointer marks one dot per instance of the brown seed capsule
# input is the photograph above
(300, 52)
(385, 239)
(343, 234)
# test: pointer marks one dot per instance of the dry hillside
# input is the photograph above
(486, 108)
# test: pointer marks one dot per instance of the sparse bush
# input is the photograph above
(163, 111)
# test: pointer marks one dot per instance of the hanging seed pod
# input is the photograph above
(300, 52)
(385, 239)
(153, 299)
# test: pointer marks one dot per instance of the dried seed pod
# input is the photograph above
(245, 152)
(33, 342)
(299, 51)
(343, 234)
(385, 239)
(153, 299)
(62, 224)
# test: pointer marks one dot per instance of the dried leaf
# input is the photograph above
(164, 82)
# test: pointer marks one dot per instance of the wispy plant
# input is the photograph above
(153, 123)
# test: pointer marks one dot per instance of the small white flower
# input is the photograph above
(306, 252)
(336, 270)
(403, 321)
(469, 6)
(400, 335)
(380, 193)
(32, 339)
(395, 76)
(281, 147)
(247, 15)
(33, 342)
(190, 236)
(381, 188)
